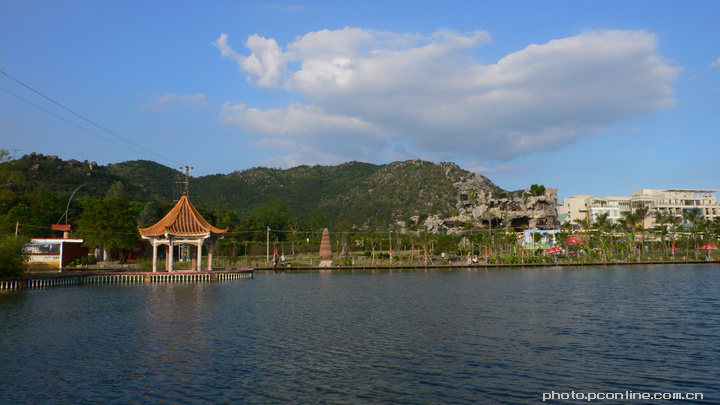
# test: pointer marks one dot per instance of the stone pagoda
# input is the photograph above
(325, 246)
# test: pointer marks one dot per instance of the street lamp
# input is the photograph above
(68, 204)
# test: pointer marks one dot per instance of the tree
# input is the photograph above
(603, 225)
(8, 178)
(642, 213)
(426, 239)
(35, 214)
(117, 190)
(662, 221)
(628, 222)
(344, 250)
(372, 239)
(294, 226)
(12, 258)
(316, 222)
(447, 244)
(109, 222)
(694, 217)
(537, 191)
(583, 224)
(227, 219)
(150, 214)
(273, 214)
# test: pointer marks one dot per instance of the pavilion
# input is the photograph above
(182, 225)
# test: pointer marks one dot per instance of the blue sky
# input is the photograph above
(590, 97)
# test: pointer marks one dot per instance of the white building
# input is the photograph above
(672, 201)
(675, 201)
(53, 252)
(613, 206)
(586, 207)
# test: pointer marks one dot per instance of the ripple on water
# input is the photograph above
(501, 336)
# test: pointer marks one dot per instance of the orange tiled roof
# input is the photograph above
(183, 219)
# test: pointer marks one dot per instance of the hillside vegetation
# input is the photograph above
(351, 194)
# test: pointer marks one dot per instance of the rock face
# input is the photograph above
(477, 208)
(325, 246)
(527, 211)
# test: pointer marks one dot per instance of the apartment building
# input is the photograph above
(676, 200)
(613, 206)
(586, 207)
(669, 201)
(573, 208)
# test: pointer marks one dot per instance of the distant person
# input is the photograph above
(282, 259)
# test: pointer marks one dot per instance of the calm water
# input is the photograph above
(462, 336)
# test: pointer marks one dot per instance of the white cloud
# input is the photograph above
(266, 63)
(294, 120)
(716, 63)
(163, 102)
(430, 94)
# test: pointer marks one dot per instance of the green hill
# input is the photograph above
(352, 193)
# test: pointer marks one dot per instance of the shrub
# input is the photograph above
(83, 260)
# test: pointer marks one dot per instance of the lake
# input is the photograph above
(356, 337)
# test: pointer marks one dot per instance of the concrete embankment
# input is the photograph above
(118, 277)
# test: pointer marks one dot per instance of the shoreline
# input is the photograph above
(121, 275)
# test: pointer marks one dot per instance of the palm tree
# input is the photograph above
(695, 217)
(664, 221)
(582, 223)
(603, 224)
(675, 225)
(628, 222)
(642, 213)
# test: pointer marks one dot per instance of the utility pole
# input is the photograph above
(390, 237)
(187, 178)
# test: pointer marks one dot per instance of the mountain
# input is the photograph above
(352, 193)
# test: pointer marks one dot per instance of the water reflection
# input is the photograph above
(460, 336)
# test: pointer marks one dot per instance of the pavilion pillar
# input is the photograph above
(193, 258)
(155, 247)
(170, 254)
(199, 255)
(210, 253)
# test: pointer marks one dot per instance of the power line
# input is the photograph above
(84, 119)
